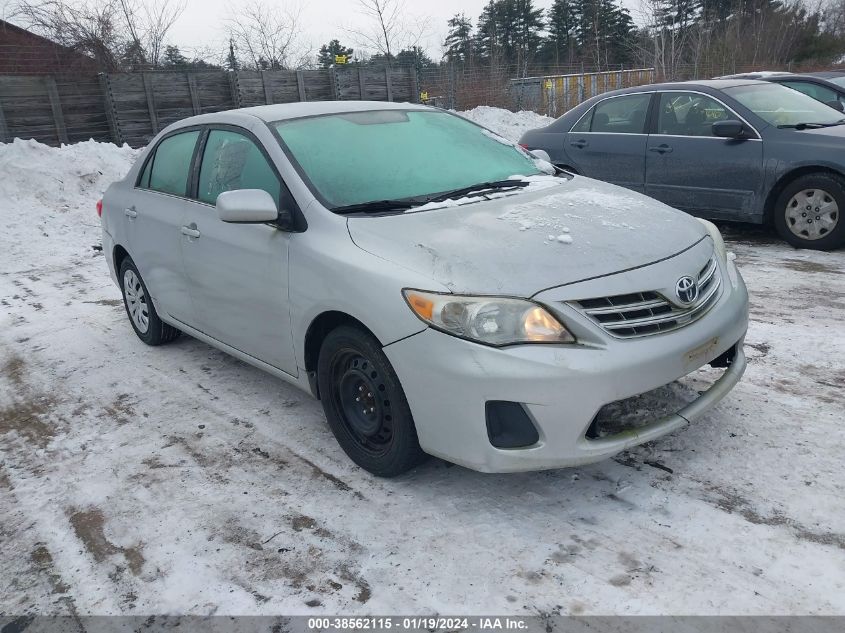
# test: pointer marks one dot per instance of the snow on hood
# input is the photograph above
(519, 244)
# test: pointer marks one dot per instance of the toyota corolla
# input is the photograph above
(439, 289)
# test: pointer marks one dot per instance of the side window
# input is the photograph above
(144, 180)
(172, 163)
(819, 93)
(583, 124)
(690, 114)
(233, 161)
(621, 115)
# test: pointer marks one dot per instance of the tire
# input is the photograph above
(353, 372)
(140, 310)
(808, 212)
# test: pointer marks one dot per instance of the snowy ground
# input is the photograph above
(179, 480)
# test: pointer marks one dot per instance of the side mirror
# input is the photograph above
(836, 104)
(247, 206)
(541, 154)
(728, 129)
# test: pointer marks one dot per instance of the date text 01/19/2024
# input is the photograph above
(428, 623)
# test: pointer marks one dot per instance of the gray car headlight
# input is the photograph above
(488, 320)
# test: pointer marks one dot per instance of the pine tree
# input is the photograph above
(560, 42)
(173, 58)
(326, 56)
(459, 42)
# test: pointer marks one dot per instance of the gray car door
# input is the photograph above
(609, 141)
(153, 222)
(238, 273)
(690, 169)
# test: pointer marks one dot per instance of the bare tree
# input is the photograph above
(148, 23)
(390, 28)
(268, 36)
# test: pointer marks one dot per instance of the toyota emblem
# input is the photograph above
(686, 289)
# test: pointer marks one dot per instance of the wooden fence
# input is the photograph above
(555, 94)
(133, 107)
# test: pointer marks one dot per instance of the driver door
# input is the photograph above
(238, 273)
(692, 170)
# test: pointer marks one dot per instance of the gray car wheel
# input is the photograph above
(808, 213)
(140, 309)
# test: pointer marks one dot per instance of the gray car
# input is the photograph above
(737, 150)
(435, 286)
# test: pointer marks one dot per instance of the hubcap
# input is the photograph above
(812, 214)
(361, 399)
(136, 301)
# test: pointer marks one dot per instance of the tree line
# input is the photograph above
(678, 37)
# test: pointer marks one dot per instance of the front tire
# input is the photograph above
(365, 405)
(808, 212)
(140, 309)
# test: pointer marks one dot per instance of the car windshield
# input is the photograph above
(375, 156)
(783, 106)
(839, 81)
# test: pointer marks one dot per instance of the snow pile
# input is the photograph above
(511, 125)
(70, 177)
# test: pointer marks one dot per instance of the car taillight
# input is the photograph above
(523, 146)
(99, 208)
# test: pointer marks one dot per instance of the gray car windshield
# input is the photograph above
(782, 106)
(361, 157)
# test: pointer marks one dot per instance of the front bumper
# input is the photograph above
(447, 382)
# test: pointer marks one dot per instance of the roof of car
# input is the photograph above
(824, 74)
(281, 111)
(716, 84)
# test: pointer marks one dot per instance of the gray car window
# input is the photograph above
(819, 93)
(233, 161)
(620, 115)
(690, 114)
(172, 162)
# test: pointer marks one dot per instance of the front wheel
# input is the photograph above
(365, 404)
(808, 212)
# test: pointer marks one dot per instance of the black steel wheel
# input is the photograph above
(365, 404)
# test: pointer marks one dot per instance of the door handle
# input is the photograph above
(579, 144)
(661, 149)
(130, 213)
(190, 231)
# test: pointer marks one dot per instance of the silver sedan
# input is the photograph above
(439, 289)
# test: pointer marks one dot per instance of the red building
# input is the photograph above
(25, 53)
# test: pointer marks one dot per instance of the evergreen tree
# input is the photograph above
(325, 57)
(560, 43)
(231, 58)
(414, 56)
(173, 58)
(459, 42)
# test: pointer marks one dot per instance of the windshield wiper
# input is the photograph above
(810, 125)
(478, 188)
(379, 206)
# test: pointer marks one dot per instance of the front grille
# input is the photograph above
(649, 312)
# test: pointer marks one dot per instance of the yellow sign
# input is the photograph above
(341, 59)
(424, 96)
(548, 84)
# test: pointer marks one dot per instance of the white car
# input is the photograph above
(432, 284)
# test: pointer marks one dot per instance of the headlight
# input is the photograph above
(488, 320)
(718, 242)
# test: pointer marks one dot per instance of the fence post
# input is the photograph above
(4, 130)
(387, 83)
(333, 84)
(415, 85)
(300, 84)
(151, 103)
(195, 97)
(268, 91)
(56, 107)
(235, 87)
(111, 113)
(360, 83)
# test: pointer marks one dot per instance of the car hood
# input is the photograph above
(555, 232)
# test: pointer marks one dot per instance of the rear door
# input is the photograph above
(690, 169)
(238, 273)
(609, 141)
(154, 219)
